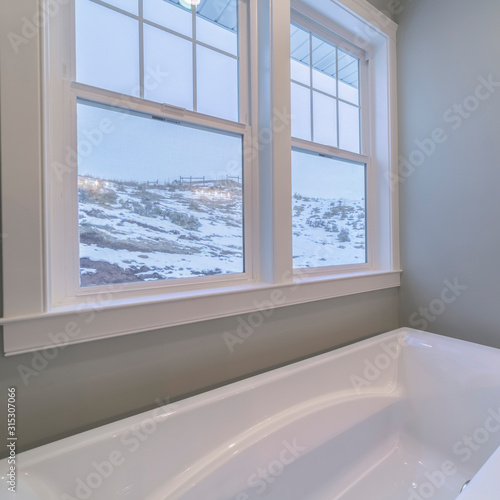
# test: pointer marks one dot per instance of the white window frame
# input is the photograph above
(327, 31)
(62, 233)
(38, 316)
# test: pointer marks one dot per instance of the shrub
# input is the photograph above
(328, 226)
(184, 220)
(343, 236)
(298, 209)
(97, 196)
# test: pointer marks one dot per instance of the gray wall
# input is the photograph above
(450, 204)
(90, 384)
(389, 7)
(93, 383)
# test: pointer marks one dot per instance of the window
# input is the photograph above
(192, 159)
(162, 50)
(328, 169)
(325, 92)
(329, 211)
(153, 203)
(160, 195)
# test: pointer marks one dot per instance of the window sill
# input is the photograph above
(99, 320)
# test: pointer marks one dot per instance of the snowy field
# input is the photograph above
(328, 232)
(132, 231)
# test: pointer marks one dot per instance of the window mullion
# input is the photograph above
(244, 58)
(195, 77)
(275, 142)
(141, 49)
(311, 85)
(337, 94)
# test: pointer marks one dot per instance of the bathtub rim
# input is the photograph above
(115, 429)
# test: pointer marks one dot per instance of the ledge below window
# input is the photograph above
(86, 322)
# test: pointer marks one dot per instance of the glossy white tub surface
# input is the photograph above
(484, 485)
(406, 415)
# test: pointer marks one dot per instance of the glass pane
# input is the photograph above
(157, 200)
(329, 221)
(168, 68)
(218, 29)
(301, 112)
(216, 36)
(349, 127)
(324, 82)
(171, 16)
(107, 48)
(222, 12)
(324, 66)
(128, 5)
(300, 49)
(325, 119)
(217, 83)
(300, 72)
(348, 77)
(300, 55)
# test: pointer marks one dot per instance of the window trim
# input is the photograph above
(65, 287)
(312, 25)
(32, 323)
(99, 318)
(74, 291)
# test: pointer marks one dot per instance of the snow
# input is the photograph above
(320, 246)
(131, 231)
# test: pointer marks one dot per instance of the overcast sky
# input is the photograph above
(142, 149)
(136, 148)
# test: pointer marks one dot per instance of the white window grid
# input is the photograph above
(329, 36)
(312, 89)
(193, 39)
(65, 282)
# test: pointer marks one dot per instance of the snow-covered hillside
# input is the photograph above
(328, 232)
(132, 231)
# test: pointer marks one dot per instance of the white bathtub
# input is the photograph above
(404, 415)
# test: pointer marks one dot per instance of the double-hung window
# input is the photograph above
(329, 161)
(184, 160)
(156, 120)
